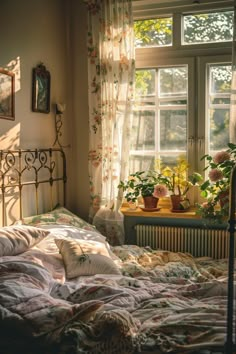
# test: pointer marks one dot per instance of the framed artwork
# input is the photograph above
(41, 89)
(7, 94)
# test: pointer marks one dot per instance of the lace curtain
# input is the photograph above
(111, 78)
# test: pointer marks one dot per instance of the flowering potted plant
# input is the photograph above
(160, 182)
(216, 187)
(178, 183)
(146, 185)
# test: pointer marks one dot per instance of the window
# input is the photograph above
(153, 32)
(208, 27)
(183, 80)
(160, 116)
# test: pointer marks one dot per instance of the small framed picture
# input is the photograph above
(41, 89)
(7, 94)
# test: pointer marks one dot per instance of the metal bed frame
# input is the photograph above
(31, 167)
(230, 346)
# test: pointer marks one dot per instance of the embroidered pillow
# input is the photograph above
(16, 239)
(59, 215)
(85, 257)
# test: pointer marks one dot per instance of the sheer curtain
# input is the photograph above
(233, 88)
(111, 79)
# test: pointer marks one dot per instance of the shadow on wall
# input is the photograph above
(11, 138)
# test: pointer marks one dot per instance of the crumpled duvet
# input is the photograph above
(163, 302)
(27, 305)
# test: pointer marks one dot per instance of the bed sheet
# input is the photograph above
(162, 302)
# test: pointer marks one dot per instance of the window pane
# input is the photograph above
(143, 131)
(138, 163)
(218, 116)
(153, 33)
(170, 161)
(208, 27)
(173, 103)
(145, 82)
(220, 79)
(173, 130)
(173, 81)
(220, 100)
(219, 132)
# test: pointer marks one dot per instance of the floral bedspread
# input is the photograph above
(163, 302)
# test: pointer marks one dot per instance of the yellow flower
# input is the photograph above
(167, 172)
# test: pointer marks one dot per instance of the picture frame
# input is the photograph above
(7, 94)
(41, 82)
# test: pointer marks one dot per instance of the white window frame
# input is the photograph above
(195, 56)
(202, 138)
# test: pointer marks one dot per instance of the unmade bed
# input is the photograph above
(64, 289)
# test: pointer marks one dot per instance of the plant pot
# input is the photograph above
(224, 199)
(179, 203)
(150, 202)
(132, 205)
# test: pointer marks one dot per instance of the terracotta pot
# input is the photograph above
(150, 202)
(179, 202)
(224, 199)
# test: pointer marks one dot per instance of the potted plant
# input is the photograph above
(178, 183)
(158, 183)
(215, 189)
(146, 185)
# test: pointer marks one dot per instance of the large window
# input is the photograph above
(183, 80)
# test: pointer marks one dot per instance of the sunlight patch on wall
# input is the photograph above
(14, 66)
(10, 139)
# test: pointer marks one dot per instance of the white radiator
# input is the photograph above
(198, 242)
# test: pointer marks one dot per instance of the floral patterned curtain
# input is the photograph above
(233, 87)
(111, 78)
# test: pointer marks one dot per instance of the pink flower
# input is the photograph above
(215, 175)
(160, 191)
(221, 156)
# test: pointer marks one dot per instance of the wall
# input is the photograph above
(32, 31)
(52, 32)
(79, 198)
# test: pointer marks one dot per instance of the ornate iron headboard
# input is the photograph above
(31, 168)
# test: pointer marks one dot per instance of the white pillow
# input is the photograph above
(72, 232)
(16, 239)
(83, 257)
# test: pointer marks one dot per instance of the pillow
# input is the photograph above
(71, 232)
(59, 215)
(19, 238)
(85, 257)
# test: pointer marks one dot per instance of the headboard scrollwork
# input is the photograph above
(26, 171)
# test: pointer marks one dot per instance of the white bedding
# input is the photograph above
(163, 301)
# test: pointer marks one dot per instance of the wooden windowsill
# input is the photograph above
(164, 212)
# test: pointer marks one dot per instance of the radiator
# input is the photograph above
(199, 242)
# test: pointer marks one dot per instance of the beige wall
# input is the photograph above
(52, 32)
(78, 30)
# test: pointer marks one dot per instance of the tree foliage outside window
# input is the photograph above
(198, 28)
(208, 27)
(153, 32)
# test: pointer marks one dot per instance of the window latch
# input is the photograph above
(191, 140)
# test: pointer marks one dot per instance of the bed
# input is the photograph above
(64, 289)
